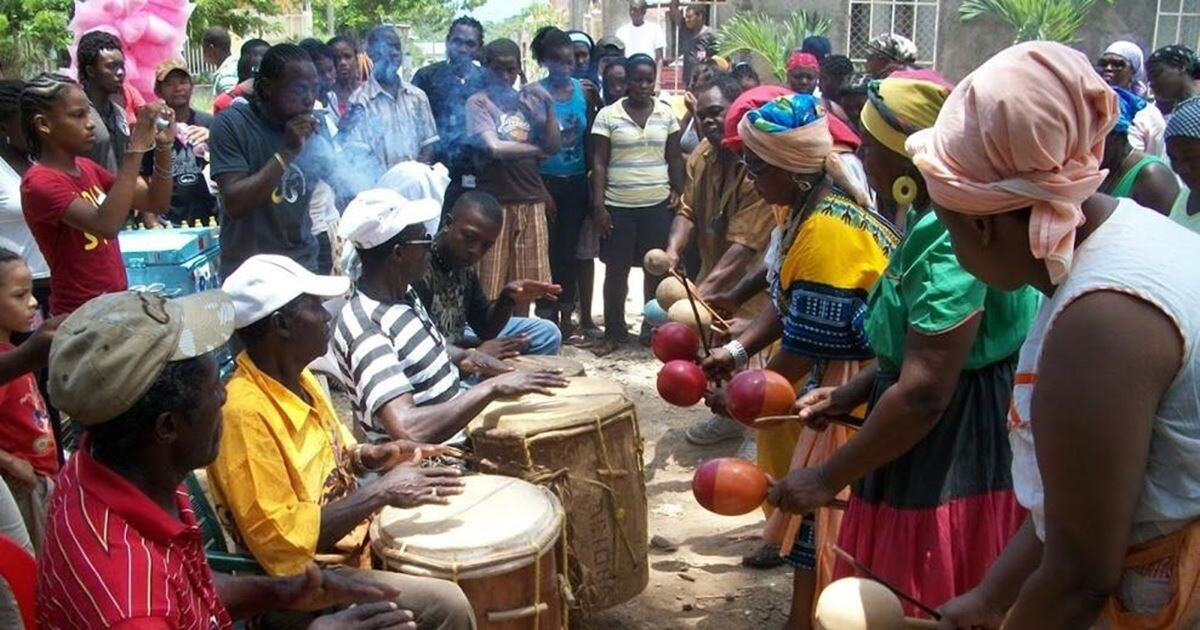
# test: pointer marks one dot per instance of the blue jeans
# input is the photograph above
(544, 336)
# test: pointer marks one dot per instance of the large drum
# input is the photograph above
(500, 540)
(584, 443)
(534, 362)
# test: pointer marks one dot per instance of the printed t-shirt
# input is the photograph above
(25, 430)
(191, 199)
(572, 122)
(511, 180)
(82, 265)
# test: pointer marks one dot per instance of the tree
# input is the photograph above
(34, 30)
(429, 18)
(1054, 20)
(243, 17)
(769, 38)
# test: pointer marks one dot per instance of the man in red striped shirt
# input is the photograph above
(122, 547)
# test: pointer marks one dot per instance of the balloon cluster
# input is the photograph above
(150, 31)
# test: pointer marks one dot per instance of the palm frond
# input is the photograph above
(769, 38)
(1054, 20)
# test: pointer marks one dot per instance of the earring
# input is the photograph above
(904, 190)
(803, 184)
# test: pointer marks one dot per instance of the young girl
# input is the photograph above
(28, 456)
(73, 206)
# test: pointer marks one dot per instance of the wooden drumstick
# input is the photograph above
(764, 422)
(858, 566)
(682, 277)
(695, 313)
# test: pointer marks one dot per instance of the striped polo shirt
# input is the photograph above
(637, 163)
(388, 350)
(112, 558)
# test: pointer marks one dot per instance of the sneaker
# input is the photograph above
(749, 449)
(715, 430)
(765, 557)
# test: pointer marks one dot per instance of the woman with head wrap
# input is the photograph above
(888, 53)
(1183, 146)
(817, 46)
(1122, 65)
(1172, 72)
(803, 72)
(932, 503)
(1104, 416)
(1132, 173)
(833, 251)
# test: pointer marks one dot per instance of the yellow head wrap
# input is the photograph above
(912, 101)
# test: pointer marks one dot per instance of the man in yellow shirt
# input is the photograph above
(285, 476)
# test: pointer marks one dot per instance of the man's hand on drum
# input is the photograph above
(718, 365)
(391, 454)
(526, 291)
(374, 616)
(802, 491)
(487, 365)
(408, 486)
(517, 383)
(504, 347)
(318, 589)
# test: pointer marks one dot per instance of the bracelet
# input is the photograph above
(735, 348)
(282, 163)
(129, 150)
(162, 172)
(164, 146)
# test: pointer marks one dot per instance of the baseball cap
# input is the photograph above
(168, 66)
(376, 216)
(267, 282)
(106, 355)
(611, 41)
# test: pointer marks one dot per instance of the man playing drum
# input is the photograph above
(395, 361)
(285, 475)
(452, 291)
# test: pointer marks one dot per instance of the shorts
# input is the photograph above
(804, 550)
(589, 240)
(636, 231)
(522, 251)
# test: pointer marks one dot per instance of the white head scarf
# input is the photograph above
(1136, 58)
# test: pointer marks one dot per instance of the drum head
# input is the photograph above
(581, 402)
(533, 363)
(496, 525)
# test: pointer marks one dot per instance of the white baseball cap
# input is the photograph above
(376, 216)
(267, 282)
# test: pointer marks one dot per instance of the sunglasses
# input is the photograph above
(1115, 64)
(754, 167)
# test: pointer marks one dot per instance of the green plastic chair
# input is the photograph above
(220, 559)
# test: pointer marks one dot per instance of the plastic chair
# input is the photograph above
(19, 569)
(220, 559)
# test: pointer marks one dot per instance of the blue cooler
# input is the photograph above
(175, 262)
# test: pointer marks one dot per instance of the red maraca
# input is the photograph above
(681, 383)
(757, 393)
(673, 341)
(729, 486)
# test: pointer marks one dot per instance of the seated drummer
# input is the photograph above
(392, 356)
(451, 290)
(123, 548)
(285, 475)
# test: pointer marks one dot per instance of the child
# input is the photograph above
(28, 454)
(73, 206)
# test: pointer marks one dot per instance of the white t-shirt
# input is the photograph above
(1146, 132)
(644, 39)
(12, 222)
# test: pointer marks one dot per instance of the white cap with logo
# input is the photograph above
(267, 282)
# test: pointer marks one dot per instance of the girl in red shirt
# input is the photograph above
(73, 206)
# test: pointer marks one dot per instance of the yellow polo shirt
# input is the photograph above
(281, 459)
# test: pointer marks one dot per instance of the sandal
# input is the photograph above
(605, 346)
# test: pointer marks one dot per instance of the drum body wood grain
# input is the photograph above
(584, 443)
(500, 541)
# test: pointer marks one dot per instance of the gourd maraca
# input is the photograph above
(729, 486)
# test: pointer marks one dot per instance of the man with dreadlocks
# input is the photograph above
(101, 69)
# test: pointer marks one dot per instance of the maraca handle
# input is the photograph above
(913, 622)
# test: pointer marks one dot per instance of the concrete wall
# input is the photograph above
(962, 46)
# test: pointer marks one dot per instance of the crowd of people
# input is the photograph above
(957, 279)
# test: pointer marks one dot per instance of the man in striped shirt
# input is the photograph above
(122, 547)
(403, 374)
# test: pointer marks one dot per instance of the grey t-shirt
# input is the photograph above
(242, 140)
(112, 137)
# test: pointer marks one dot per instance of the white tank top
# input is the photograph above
(1140, 252)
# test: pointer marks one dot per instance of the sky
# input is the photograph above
(495, 10)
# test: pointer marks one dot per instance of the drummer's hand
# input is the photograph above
(801, 491)
(374, 616)
(973, 609)
(407, 486)
(318, 589)
(818, 406)
(483, 363)
(504, 347)
(517, 383)
(718, 365)
(530, 290)
(391, 454)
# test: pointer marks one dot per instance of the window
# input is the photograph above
(1178, 23)
(914, 19)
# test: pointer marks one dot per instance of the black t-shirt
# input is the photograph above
(191, 200)
(448, 94)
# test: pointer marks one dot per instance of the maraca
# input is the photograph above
(858, 604)
(682, 312)
(757, 393)
(675, 341)
(670, 291)
(656, 263)
(729, 486)
(654, 314)
(681, 383)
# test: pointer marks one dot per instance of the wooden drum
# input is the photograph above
(499, 541)
(584, 443)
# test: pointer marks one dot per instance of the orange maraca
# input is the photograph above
(755, 394)
(729, 486)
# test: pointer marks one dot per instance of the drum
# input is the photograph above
(498, 541)
(584, 443)
(534, 362)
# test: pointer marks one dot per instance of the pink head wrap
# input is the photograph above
(1027, 128)
(803, 60)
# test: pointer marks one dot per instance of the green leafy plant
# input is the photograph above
(1054, 20)
(31, 31)
(429, 18)
(247, 18)
(769, 38)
